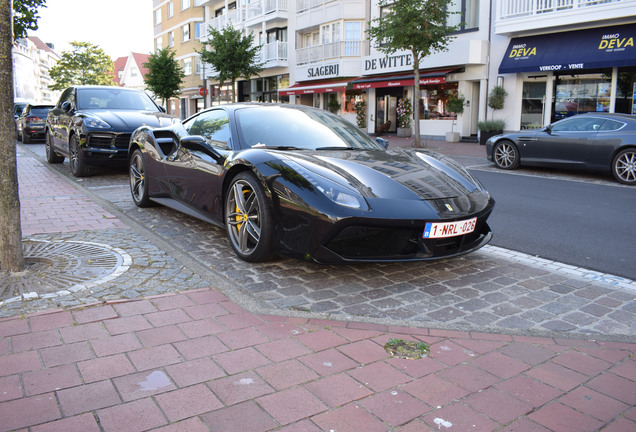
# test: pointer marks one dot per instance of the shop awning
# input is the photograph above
(581, 49)
(426, 77)
(320, 86)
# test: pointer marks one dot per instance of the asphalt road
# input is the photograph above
(574, 222)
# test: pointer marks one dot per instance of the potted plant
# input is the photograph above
(455, 105)
(361, 113)
(333, 105)
(489, 128)
(404, 115)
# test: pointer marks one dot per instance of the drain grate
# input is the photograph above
(61, 267)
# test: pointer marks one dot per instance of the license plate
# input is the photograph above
(449, 229)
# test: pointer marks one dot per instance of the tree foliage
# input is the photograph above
(165, 75)
(416, 26)
(232, 55)
(25, 16)
(84, 64)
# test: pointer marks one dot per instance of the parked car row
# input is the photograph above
(299, 181)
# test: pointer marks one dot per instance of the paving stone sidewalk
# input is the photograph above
(189, 354)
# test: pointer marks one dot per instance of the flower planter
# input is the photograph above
(404, 132)
(452, 136)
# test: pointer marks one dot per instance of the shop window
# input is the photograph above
(581, 95)
(351, 98)
(532, 104)
(433, 101)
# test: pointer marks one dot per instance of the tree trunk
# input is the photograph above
(11, 257)
(416, 98)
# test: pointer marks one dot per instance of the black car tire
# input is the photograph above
(138, 184)
(247, 219)
(18, 134)
(506, 155)
(624, 166)
(76, 163)
(26, 138)
(51, 156)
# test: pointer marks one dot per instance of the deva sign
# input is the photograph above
(521, 50)
(614, 41)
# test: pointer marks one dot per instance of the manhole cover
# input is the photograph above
(57, 267)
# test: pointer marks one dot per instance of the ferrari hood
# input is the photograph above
(395, 174)
(129, 120)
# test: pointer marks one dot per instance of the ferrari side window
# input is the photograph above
(213, 125)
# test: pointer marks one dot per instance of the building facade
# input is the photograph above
(316, 52)
(177, 25)
(32, 62)
(129, 71)
(563, 57)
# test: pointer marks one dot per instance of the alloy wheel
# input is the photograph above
(506, 155)
(243, 217)
(625, 167)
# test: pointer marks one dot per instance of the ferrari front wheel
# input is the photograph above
(506, 155)
(138, 183)
(247, 219)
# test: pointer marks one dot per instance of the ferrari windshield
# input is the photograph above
(114, 98)
(290, 128)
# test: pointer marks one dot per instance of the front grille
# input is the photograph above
(109, 141)
(386, 243)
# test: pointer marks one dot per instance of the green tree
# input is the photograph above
(165, 75)
(84, 64)
(416, 26)
(25, 16)
(232, 55)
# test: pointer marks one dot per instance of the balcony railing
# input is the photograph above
(519, 8)
(274, 52)
(218, 23)
(305, 5)
(322, 52)
(264, 7)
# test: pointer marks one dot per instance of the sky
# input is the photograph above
(117, 26)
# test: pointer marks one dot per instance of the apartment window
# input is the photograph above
(171, 39)
(158, 17)
(157, 44)
(197, 66)
(330, 32)
(185, 4)
(353, 32)
(187, 66)
(464, 13)
(185, 33)
(199, 29)
(170, 9)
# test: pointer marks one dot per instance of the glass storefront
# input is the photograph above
(580, 95)
(433, 100)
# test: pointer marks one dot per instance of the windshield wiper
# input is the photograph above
(337, 148)
(277, 147)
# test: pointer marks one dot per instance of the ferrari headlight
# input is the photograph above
(93, 122)
(336, 192)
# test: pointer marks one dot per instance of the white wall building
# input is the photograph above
(317, 53)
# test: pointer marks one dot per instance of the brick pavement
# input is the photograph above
(194, 359)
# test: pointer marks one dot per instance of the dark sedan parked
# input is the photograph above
(299, 181)
(32, 122)
(594, 141)
(92, 125)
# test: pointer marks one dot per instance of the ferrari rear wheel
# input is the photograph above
(76, 163)
(624, 167)
(138, 183)
(506, 155)
(247, 219)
